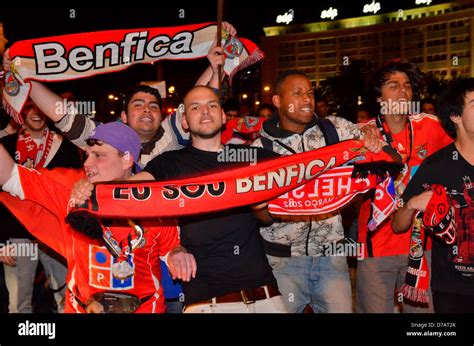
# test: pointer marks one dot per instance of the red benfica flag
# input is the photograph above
(75, 56)
(223, 190)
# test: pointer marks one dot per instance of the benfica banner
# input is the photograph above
(327, 193)
(336, 188)
(229, 189)
(69, 57)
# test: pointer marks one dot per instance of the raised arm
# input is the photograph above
(216, 57)
(75, 127)
(210, 76)
(47, 101)
(44, 98)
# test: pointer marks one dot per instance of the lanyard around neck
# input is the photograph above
(387, 136)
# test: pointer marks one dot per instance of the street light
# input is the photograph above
(111, 97)
(171, 89)
(244, 96)
(266, 88)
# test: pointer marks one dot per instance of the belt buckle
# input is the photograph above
(245, 298)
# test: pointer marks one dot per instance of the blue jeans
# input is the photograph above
(323, 282)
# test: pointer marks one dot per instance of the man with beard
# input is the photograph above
(233, 273)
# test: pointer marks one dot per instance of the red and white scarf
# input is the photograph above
(69, 57)
(229, 189)
(29, 153)
(439, 219)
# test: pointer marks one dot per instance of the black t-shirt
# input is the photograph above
(452, 266)
(66, 156)
(227, 245)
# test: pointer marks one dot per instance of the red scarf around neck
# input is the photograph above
(29, 153)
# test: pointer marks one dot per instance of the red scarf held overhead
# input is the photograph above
(30, 154)
(75, 56)
(224, 190)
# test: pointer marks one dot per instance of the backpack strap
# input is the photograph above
(329, 131)
(267, 143)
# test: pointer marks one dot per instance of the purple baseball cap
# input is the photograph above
(121, 137)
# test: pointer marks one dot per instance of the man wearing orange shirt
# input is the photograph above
(116, 268)
(414, 137)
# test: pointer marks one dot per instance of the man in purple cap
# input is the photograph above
(115, 268)
(104, 144)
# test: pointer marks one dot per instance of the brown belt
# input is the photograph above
(246, 296)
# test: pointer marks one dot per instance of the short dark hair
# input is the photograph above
(277, 85)
(364, 108)
(427, 100)
(263, 106)
(452, 101)
(144, 89)
(231, 105)
(412, 71)
(320, 98)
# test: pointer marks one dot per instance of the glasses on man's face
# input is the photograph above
(396, 86)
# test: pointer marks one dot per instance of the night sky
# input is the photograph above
(40, 22)
(26, 23)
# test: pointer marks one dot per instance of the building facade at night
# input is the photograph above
(438, 38)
